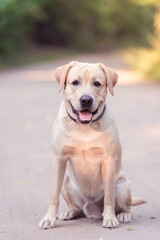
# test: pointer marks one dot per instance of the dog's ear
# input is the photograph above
(111, 77)
(61, 74)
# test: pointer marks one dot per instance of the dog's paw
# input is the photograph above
(47, 223)
(110, 223)
(124, 217)
(69, 214)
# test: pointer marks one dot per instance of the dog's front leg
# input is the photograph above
(108, 174)
(49, 220)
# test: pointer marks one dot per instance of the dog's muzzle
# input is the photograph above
(85, 116)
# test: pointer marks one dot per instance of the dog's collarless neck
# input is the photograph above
(95, 120)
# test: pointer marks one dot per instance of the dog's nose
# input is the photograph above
(86, 101)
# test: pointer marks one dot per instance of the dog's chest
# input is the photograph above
(84, 170)
(83, 152)
(85, 149)
(85, 161)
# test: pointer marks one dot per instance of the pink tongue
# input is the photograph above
(85, 116)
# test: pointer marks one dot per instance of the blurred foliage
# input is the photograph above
(74, 23)
(33, 55)
(147, 60)
(17, 22)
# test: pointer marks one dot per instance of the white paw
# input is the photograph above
(124, 217)
(47, 223)
(68, 215)
(110, 223)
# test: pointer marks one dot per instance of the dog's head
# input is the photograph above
(85, 88)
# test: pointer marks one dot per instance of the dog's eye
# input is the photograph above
(97, 84)
(75, 82)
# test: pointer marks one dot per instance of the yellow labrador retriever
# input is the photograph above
(87, 151)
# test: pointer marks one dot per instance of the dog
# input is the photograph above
(87, 150)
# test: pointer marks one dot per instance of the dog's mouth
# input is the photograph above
(84, 116)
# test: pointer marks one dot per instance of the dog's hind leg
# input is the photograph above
(73, 200)
(123, 200)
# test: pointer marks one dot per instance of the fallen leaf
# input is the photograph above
(48, 118)
(39, 169)
(21, 183)
(29, 124)
(25, 169)
(86, 229)
(45, 146)
(130, 229)
(65, 229)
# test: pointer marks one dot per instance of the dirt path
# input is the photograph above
(45, 71)
(28, 105)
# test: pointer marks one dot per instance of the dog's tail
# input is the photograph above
(137, 201)
(92, 211)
